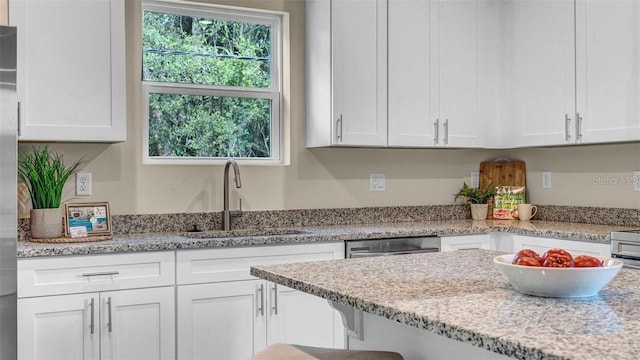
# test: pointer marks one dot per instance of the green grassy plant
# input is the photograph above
(477, 195)
(44, 174)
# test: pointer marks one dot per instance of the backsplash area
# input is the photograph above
(180, 222)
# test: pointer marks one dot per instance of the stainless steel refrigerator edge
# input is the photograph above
(8, 193)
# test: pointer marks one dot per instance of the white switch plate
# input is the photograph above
(636, 181)
(83, 184)
(546, 179)
(377, 182)
(475, 179)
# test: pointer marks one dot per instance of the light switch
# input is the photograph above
(377, 182)
(636, 181)
(546, 179)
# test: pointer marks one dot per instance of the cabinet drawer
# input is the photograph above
(77, 274)
(214, 265)
(575, 247)
(465, 242)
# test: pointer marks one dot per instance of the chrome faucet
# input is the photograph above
(226, 214)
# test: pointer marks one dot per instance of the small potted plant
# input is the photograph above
(44, 174)
(478, 199)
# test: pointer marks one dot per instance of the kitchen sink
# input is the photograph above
(241, 232)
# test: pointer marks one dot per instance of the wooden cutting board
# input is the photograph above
(502, 172)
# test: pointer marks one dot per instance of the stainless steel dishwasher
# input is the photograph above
(392, 246)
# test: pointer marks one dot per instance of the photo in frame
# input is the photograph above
(95, 217)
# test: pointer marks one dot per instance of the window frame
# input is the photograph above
(274, 92)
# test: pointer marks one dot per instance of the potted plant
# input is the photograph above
(44, 174)
(478, 199)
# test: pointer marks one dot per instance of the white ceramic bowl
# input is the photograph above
(557, 282)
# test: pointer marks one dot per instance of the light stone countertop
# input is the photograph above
(463, 296)
(171, 241)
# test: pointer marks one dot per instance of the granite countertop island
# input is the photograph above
(171, 241)
(462, 296)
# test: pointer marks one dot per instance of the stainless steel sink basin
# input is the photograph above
(241, 232)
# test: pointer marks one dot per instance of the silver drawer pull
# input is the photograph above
(110, 323)
(91, 325)
(104, 273)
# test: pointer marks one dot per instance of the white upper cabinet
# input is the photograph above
(538, 98)
(410, 119)
(346, 72)
(472, 73)
(608, 68)
(455, 60)
(571, 72)
(436, 65)
(71, 73)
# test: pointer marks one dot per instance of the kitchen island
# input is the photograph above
(428, 303)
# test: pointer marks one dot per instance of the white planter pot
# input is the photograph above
(46, 223)
(479, 211)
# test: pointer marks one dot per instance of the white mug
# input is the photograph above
(526, 211)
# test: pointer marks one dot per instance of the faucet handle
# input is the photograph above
(239, 211)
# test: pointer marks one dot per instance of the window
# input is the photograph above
(211, 82)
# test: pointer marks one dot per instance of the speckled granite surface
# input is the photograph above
(167, 223)
(462, 295)
(175, 240)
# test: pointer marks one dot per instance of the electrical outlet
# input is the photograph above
(475, 179)
(83, 184)
(636, 180)
(546, 179)
(377, 182)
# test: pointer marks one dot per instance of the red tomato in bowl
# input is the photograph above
(557, 258)
(527, 253)
(527, 261)
(587, 261)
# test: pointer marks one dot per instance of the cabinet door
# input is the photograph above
(541, 245)
(539, 93)
(59, 327)
(455, 85)
(138, 324)
(222, 320)
(410, 121)
(359, 43)
(608, 70)
(299, 318)
(71, 78)
(465, 242)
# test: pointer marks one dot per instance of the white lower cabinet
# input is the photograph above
(224, 313)
(574, 247)
(221, 320)
(465, 242)
(59, 327)
(98, 322)
(299, 318)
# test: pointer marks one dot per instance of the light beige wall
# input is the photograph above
(326, 178)
(4, 12)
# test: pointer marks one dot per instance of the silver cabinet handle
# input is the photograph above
(261, 302)
(19, 113)
(567, 122)
(275, 299)
(578, 127)
(104, 273)
(339, 128)
(110, 322)
(446, 132)
(91, 325)
(436, 135)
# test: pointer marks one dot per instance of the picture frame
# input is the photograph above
(95, 217)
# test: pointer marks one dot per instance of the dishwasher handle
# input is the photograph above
(362, 254)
